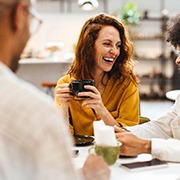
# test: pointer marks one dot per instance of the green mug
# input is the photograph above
(109, 153)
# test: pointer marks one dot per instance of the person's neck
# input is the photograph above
(101, 80)
(4, 58)
(5, 49)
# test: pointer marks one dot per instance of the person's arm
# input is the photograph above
(165, 127)
(166, 149)
(63, 98)
(163, 149)
(131, 144)
(124, 102)
(95, 102)
(129, 106)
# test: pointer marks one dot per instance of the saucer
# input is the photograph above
(83, 140)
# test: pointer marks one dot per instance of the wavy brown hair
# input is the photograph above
(173, 31)
(84, 62)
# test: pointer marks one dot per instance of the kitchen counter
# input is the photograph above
(37, 71)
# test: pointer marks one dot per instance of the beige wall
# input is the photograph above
(66, 26)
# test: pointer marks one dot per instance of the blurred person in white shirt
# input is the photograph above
(34, 141)
(161, 137)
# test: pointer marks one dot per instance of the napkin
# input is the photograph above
(103, 134)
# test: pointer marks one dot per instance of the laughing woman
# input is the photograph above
(103, 53)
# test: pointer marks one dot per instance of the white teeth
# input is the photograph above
(108, 59)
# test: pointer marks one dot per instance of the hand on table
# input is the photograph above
(131, 144)
(95, 168)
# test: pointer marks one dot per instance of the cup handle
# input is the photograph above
(90, 149)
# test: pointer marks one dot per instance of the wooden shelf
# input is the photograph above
(148, 59)
(148, 38)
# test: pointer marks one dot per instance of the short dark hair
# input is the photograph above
(173, 31)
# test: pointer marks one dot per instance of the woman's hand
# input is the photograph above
(63, 94)
(94, 101)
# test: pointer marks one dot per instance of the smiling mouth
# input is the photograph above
(108, 59)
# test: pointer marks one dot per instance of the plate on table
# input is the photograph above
(123, 156)
(81, 140)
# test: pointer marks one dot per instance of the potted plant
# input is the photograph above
(130, 13)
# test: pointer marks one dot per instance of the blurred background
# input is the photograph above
(49, 52)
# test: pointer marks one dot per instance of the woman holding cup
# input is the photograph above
(103, 54)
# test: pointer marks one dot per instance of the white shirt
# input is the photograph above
(34, 138)
(164, 132)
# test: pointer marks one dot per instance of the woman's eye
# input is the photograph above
(119, 45)
(107, 44)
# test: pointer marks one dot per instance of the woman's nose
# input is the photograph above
(178, 60)
(115, 50)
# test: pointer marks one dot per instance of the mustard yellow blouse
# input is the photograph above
(120, 97)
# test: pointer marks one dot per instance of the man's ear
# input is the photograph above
(18, 16)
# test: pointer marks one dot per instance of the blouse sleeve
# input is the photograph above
(64, 79)
(129, 107)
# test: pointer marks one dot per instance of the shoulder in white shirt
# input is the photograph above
(34, 139)
(165, 134)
